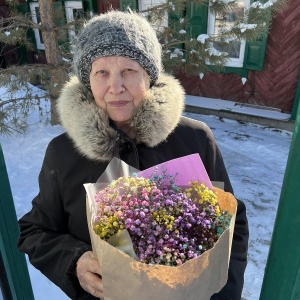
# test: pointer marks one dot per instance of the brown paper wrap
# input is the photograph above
(198, 279)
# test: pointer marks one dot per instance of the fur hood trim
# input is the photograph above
(88, 125)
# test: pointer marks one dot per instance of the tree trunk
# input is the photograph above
(52, 51)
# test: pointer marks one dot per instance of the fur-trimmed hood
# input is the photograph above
(89, 127)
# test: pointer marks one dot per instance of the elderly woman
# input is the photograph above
(118, 104)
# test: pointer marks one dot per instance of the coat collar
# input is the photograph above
(88, 125)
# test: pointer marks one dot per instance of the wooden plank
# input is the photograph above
(15, 266)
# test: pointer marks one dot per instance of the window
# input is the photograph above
(74, 11)
(35, 14)
(162, 21)
(225, 20)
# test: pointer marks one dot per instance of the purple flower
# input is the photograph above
(165, 225)
(159, 253)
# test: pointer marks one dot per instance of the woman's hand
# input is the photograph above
(89, 274)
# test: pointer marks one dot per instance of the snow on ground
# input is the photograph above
(255, 157)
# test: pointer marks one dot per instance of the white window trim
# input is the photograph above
(231, 62)
(145, 4)
(37, 33)
(69, 7)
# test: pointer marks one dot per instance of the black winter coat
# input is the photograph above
(54, 233)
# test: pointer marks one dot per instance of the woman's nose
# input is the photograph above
(116, 85)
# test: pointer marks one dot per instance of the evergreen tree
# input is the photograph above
(181, 50)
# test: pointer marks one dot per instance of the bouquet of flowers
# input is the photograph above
(171, 221)
(167, 225)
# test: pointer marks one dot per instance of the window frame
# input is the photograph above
(37, 32)
(231, 62)
(145, 4)
(69, 7)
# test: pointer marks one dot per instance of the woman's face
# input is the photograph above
(119, 85)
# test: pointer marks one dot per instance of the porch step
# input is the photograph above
(239, 111)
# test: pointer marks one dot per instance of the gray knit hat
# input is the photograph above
(117, 33)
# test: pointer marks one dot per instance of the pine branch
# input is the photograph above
(181, 51)
(3, 103)
(18, 21)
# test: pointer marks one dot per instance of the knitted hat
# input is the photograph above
(117, 33)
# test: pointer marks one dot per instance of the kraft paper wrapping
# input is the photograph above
(197, 279)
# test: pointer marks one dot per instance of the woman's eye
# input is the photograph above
(128, 70)
(101, 72)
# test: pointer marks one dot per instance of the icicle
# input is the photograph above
(244, 80)
(201, 75)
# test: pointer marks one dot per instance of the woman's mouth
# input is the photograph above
(118, 103)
